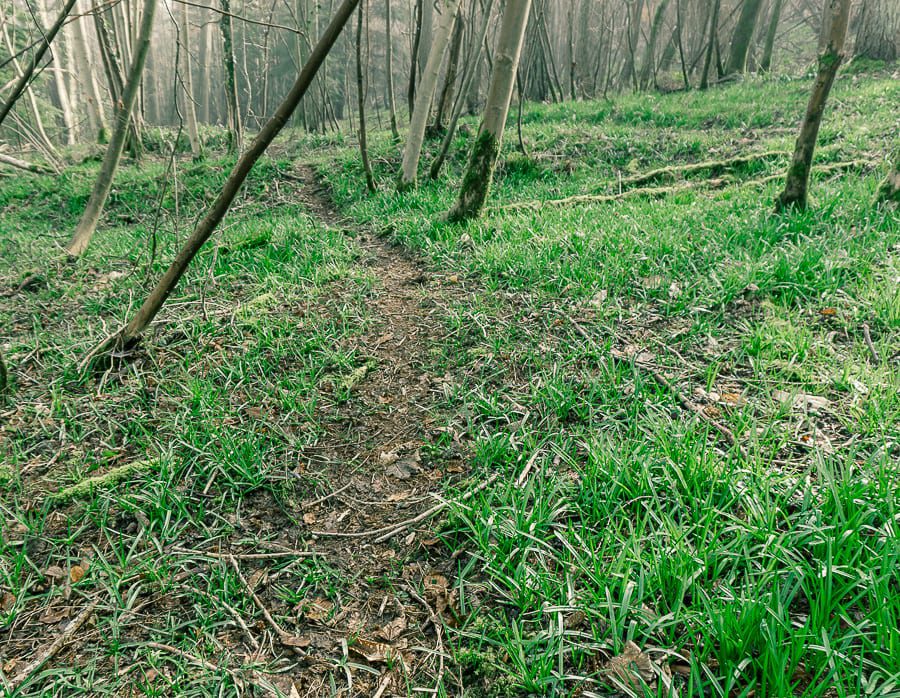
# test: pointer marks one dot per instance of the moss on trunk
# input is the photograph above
(476, 183)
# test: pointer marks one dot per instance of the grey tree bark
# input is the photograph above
(88, 223)
(743, 35)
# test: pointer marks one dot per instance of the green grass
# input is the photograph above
(773, 574)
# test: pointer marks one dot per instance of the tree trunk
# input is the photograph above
(878, 30)
(444, 100)
(486, 149)
(131, 333)
(96, 114)
(648, 68)
(831, 53)
(743, 35)
(361, 102)
(36, 58)
(232, 103)
(187, 82)
(425, 95)
(473, 60)
(59, 70)
(88, 223)
(710, 46)
(389, 70)
(765, 63)
(413, 61)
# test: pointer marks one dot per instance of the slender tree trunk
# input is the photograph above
(710, 46)
(471, 70)
(216, 212)
(389, 70)
(648, 68)
(58, 70)
(425, 95)
(413, 58)
(766, 63)
(232, 102)
(440, 110)
(831, 53)
(88, 223)
(114, 77)
(89, 79)
(486, 150)
(36, 58)
(190, 109)
(361, 101)
(743, 35)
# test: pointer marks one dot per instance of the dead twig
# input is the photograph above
(61, 640)
(680, 397)
(870, 344)
(523, 476)
(439, 635)
(387, 532)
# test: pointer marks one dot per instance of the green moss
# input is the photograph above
(476, 183)
(107, 480)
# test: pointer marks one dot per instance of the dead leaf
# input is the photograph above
(394, 629)
(76, 574)
(295, 641)
(802, 401)
(373, 651)
(7, 601)
(258, 577)
(437, 592)
(318, 610)
(309, 518)
(632, 668)
(733, 399)
(52, 616)
(55, 572)
(829, 312)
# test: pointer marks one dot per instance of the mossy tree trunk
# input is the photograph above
(89, 219)
(831, 53)
(132, 332)
(483, 159)
(743, 36)
(425, 95)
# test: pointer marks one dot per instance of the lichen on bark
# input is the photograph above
(476, 182)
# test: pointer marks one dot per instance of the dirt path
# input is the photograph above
(377, 459)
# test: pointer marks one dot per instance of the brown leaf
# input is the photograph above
(632, 668)
(373, 651)
(318, 610)
(733, 399)
(55, 572)
(309, 518)
(802, 401)
(53, 615)
(76, 574)
(437, 592)
(394, 629)
(7, 601)
(295, 641)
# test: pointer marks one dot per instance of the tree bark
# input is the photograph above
(486, 149)
(413, 57)
(232, 102)
(765, 63)
(878, 30)
(425, 95)
(88, 223)
(444, 100)
(361, 102)
(36, 58)
(187, 83)
(389, 70)
(710, 46)
(59, 70)
(648, 68)
(96, 114)
(131, 333)
(743, 35)
(831, 53)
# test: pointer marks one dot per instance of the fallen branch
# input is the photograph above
(62, 639)
(22, 165)
(387, 532)
(715, 165)
(108, 479)
(870, 344)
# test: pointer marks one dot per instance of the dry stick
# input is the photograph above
(387, 532)
(438, 630)
(686, 403)
(55, 647)
(283, 635)
(870, 344)
(523, 476)
(216, 212)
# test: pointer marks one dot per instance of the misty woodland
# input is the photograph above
(438, 348)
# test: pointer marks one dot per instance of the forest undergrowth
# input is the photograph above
(644, 445)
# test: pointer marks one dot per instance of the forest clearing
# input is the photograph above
(610, 406)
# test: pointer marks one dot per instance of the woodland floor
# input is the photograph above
(661, 432)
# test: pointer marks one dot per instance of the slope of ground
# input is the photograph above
(666, 428)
